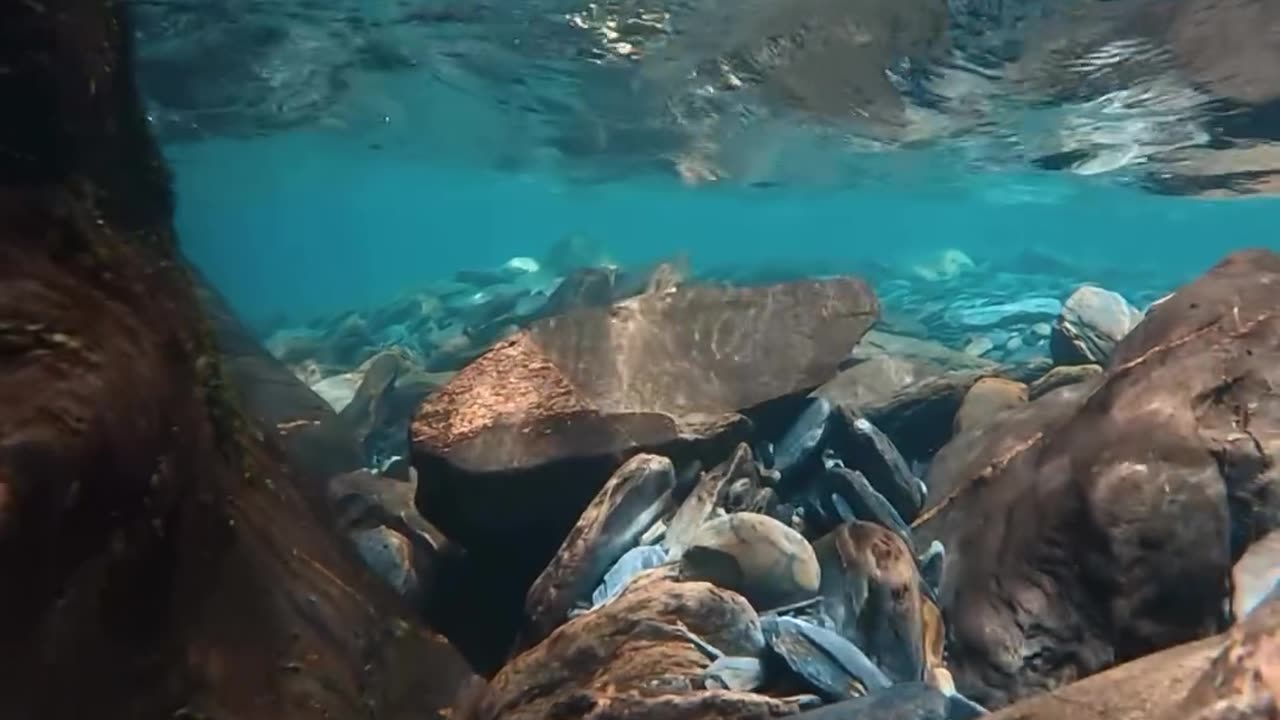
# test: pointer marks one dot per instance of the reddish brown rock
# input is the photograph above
(157, 556)
(871, 591)
(632, 654)
(1100, 522)
(641, 373)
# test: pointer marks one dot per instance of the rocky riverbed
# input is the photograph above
(643, 493)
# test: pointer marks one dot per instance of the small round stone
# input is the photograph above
(756, 556)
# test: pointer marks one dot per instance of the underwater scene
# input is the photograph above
(608, 360)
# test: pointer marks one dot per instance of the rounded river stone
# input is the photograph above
(756, 556)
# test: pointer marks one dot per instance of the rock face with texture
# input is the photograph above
(642, 373)
(765, 561)
(635, 653)
(871, 592)
(1218, 678)
(912, 397)
(1093, 320)
(157, 555)
(1101, 522)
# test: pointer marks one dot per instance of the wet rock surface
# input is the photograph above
(1166, 460)
(158, 551)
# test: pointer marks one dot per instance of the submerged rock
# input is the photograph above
(876, 457)
(1093, 320)
(159, 555)
(1062, 376)
(987, 399)
(1072, 521)
(699, 507)
(517, 444)
(914, 405)
(828, 663)
(637, 495)
(636, 649)
(765, 561)
(871, 593)
(643, 373)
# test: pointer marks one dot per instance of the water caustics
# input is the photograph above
(1175, 97)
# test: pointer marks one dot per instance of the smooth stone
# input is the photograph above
(983, 316)
(863, 500)
(755, 555)
(1042, 329)
(699, 506)
(742, 674)
(635, 497)
(1145, 473)
(986, 400)
(518, 265)
(1062, 376)
(390, 555)
(634, 562)
(905, 701)
(871, 593)
(1014, 344)
(874, 455)
(1255, 575)
(799, 446)
(1093, 320)
(832, 666)
(979, 346)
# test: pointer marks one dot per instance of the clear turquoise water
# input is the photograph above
(308, 223)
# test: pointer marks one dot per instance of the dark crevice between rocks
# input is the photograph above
(482, 612)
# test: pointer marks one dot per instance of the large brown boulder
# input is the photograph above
(513, 449)
(1100, 522)
(157, 558)
(643, 373)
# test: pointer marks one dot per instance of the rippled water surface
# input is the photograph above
(368, 145)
